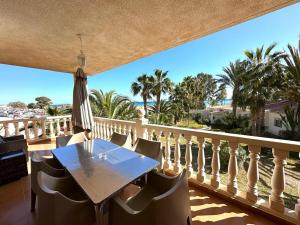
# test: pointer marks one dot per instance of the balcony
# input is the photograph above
(216, 198)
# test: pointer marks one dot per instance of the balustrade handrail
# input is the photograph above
(114, 120)
(285, 145)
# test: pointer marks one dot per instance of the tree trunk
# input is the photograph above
(259, 121)
(158, 102)
(234, 106)
(262, 120)
(253, 122)
(145, 106)
(298, 122)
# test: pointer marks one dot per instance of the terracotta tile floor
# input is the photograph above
(206, 209)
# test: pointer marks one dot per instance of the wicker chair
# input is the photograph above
(70, 139)
(49, 166)
(61, 201)
(164, 200)
(121, 139)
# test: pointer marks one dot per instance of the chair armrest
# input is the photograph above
(121, 213)
(161, 181)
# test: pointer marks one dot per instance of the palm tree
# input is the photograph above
(292, 80)
(112, 105)
(161, 84)
(259, 84)
(55, 111)
(233, 78)
(165, 115)
(143, 86)
(290, 121)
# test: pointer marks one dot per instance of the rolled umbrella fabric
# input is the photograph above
(82, 117)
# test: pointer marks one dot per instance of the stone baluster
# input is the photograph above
(101, 130)
(150, 134)
(134, 135)
(104, 130)
(201, 160)
(43, 123)
(167, 162)
(124, 129)
(253, 173)
(70, 126)
(111, 128)
(232, 185)
(6, 129)
(99, 125)
(297, 206)
(25, 122)
(115, 127)
(145, 133)
(16, 125)
(57, 126)
(65, 125)
(52, 134)
(215, 164)
(188, 155)
(158, 135)
(120, 129)
(35, 129)
(278, 180)
(129, 133)
(177, 153)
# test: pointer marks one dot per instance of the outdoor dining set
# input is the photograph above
(89, 182)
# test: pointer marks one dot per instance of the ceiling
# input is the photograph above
(42, 33)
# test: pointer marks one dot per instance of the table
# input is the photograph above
(102, 168)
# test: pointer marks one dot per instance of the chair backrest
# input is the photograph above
(121, 139)
(151, 149)
(178, 198)
(70, 139)
(56, 206)
(49, 166)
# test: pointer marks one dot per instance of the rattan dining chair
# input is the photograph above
(61, 201)
(62, 141)
(151, 149)
(164, 200)
(49, 166)
(121, 140)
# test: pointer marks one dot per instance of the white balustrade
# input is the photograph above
(253, 173)
(35, 129)
(232, 185)
(188, 155)
(215, 164)
(278, 180)
(167, 162)
(6, 129)
(16, 125)
(57, 126)
(177, 153)
(26, 129)
(51, 128)
(201, 159)
(140, 128)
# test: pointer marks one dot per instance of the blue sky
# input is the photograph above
(208, 54)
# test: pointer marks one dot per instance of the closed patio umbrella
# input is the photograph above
(82, 117)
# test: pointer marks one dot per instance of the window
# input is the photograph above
(277, 122)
